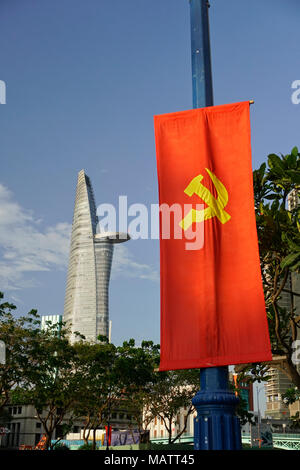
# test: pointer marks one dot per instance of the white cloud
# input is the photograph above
(26, 248)
(123, 264)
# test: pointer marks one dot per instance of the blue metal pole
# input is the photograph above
(201, 57)
(216, 426)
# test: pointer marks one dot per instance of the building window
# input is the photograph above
(19, 410)
(155, 433)
(38, 425)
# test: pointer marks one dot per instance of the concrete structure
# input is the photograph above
(25, 428)
(50, 320)
(159, 433)
(275, 387)
(86, 300)
(294, 199)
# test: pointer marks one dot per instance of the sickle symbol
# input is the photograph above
(215, 205)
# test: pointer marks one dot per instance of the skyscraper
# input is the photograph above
(86, 300)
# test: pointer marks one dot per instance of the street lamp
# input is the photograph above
(258, 412)
(215, 402)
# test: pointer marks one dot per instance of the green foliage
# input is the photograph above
(244, 415)
(256, 372)
(136, 364)
(60, 446)
(114, 377)
(295, 421)
(100, 384)
(86, 447)
(242, 412)
(41, 369)
(19, 335)
(173, 391)
(5, 417)
(291, 395)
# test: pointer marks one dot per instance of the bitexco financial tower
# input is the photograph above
(86, 300)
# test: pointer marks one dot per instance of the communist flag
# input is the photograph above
(212, 303)
(108, 434)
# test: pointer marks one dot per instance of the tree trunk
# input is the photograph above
(184, 424)
(170, 431)
(94, 439)
(293, 373)
(48, 440)
(85, 429)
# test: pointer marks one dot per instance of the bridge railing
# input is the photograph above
(280, 441)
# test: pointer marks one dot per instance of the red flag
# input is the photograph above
(212, 303)
(108, 434)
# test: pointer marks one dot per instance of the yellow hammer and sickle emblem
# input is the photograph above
(215, 205)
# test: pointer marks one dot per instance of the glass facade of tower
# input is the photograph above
(103, 256)
(86, 300)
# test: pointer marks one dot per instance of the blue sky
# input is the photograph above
(84, 79)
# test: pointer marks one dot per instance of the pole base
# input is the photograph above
(216, 426)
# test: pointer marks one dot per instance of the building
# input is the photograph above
(294, 199)
(26, 429)
(51, 320)
(158, 431)
(157, 428)
(86, 299)
(245, 390)
(275, 387)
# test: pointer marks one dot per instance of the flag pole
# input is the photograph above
(216, 426)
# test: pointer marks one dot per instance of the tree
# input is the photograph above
(137, 365)
(115, 377)
(101, 385)
(55, 380)
(242, 409)
(17, 334)
(279, 246)
(173, 391)
(278, 232)
(289, 397)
